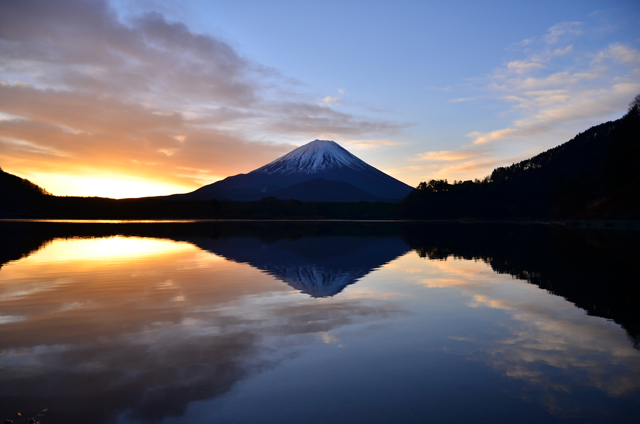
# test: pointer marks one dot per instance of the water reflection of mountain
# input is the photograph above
(319, 266)
(318, 259)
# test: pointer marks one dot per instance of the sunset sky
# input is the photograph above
(142, 98)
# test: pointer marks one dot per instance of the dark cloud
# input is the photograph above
(308, 118)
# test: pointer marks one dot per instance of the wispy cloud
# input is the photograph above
(372, 144)
(404, 169)
(462, 99)
(562, 30)
(464, 164)
(549, 93)
(83, 92)
(554, 89)
(329, 100)
(553, 92)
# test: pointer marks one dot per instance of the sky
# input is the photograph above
(143, 98)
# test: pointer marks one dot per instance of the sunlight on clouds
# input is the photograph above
(403, 169)
(446, 156)
(468, 163)
(155, 92)
(479, 138)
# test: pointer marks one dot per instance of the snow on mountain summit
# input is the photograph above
(313, 157)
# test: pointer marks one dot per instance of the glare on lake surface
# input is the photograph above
(201, 328)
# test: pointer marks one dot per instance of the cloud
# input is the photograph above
(480, 138)
(521, 67)
(328, 100)
(553, 93)
(469, 162)
(546, 111)
(110, 135)
(306, 120)
(462, 99)
(561, 30)
(447, 156)
(404, 169)
(372, 144)
(619, 53)
(88, 93)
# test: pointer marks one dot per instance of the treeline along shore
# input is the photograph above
(594, 176)
(54, 207)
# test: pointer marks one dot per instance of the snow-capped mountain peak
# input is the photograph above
(313, 157)
(319, 171)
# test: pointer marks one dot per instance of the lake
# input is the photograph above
(248, 322)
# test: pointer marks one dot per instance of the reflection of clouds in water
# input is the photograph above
(9, 292)
(552, 344)
(148, 337)
(359, 293)
(8, 319)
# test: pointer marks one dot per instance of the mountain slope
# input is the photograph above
(14, 188)
(594, 175)
(18, 196)
(330, 191)
(319, 159)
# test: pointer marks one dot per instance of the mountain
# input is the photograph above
(319, 171)
(329, 191)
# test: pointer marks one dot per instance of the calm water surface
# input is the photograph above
(316, 323)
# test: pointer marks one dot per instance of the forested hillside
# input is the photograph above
(593, 176)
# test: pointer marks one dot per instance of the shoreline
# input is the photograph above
(572, 223)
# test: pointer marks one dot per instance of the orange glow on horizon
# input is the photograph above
(116, 187)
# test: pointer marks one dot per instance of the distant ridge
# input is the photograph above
(337, 175)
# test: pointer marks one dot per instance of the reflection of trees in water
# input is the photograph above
(595, 270)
